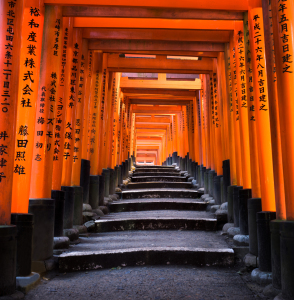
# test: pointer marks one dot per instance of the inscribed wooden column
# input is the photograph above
(30, 57)
(261, 105)
(242, 104)
(71, 108)
(284, 50)
(10, 39)
(255, 179)
(62, 93)
(42, 163)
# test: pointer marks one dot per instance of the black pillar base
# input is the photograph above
(217, 189)
(94, 191)
(230, 198)
(236, 205)
(69, 197)
(101, 190)
(111, 181)
(244, 195)
(8, 246)
(106, 174)
(275, 227)
(58, 196)
(211, 175)
(264, 240)
(43, 233)
(85, 179)
(226, 178)
(254, 206)
(202, 171)
(206, 181)
(78, 206)
(24, 224)
(287, 258)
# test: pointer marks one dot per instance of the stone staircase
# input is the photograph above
(159, 218)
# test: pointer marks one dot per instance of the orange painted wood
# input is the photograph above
(80, 111)
(116, 63)
(95, 116)
(30, 57)
(103, 111)
(231, 131)
(262, 109)
(274, 113)
(130, 45)
(71, 98)
(44, 131)
(221, 36)
(63, 88)
(236, 113)
(215, 5)
(243, 104)
(145, 12)
(218, 119)
(10, 12)
(87, 108)
(255, 176)
(154, 23)
(282, 21)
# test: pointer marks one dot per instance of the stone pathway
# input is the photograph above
(147, 282)
(149, 247)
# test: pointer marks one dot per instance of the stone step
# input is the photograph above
(156, 170)
(157, 204)
(156, 219)
(160, 193)
(158, 184)
(155, 167)
(159, 178)
(131, 248)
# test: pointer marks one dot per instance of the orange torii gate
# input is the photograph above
(71, 126)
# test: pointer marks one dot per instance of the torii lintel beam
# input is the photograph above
(160, 84)
(225, 5)
(159, 64)
(145, 12)
(166, 92)
(221, 36)
(128, 45)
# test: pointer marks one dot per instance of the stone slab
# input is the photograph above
(164, 178)
(157, 204)
(160, 193)
(159, 184)
(26, 283)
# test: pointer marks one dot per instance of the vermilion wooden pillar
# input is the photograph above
(255, 178)
(71, 103)
(225, 105)
(261, 105)
(218, 120)
(236, 112)
(204, 126)
(242, 104)
(103, 116)
(87, 107)
(80, 111)
(231, 131)
(284, 50)
(30, 57)
(63, 90)
(115, 120)
(42, 163)
(10, 39)
(273, 100)
(212, 123)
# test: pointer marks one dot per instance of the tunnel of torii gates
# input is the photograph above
(89, 87)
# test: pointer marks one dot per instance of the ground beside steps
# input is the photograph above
(154, 223)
